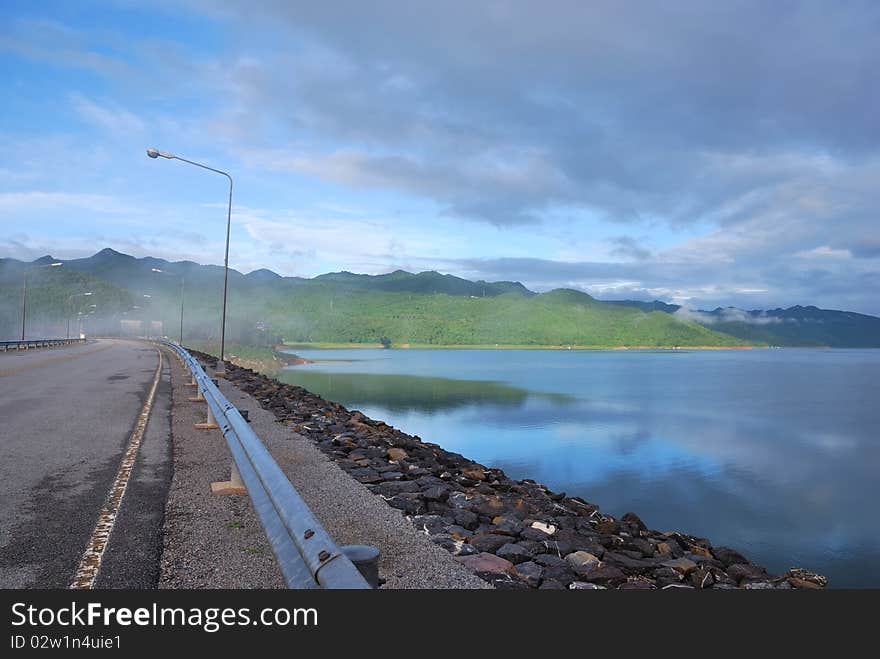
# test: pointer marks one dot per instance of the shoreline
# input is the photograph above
(500, 346)
(511, 533)
(430, 346)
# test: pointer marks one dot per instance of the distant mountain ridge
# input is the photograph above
(430, 307)
(805, 326)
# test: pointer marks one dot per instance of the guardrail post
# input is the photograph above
(210, 424)
(233, 486)
(366, 560)
(198, 398)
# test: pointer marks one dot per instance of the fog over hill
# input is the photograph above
(402, 307)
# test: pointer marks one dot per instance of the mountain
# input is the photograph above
(430, 282)
(405, 308)
(656, 305)
(805, 326)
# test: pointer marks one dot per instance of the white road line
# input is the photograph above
(90, 563)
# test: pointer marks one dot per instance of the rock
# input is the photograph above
(486, 563)
(803, 583)
(602, 573)
(506, 526)
(666, 575)
(464, 518)
(459, 533)
(390, 488)
(508, 583)
(759, 585)
(637, 584)
(430, 524)
(701, 578)
(513, 553)
(632, 518)
(530, 573)
(740, 572)
(424, 482)
(550, 584)
(627, 562)
(411, 504)
(805, 579)
(608, 527)
(561, 573)
(396, 454)
(682, 565)
(645, 548)
(445, 541)
(365, 475)
(721, 578)
(699, 551)
(474, 474)
(464, 549)
(529, 533)
(387, 476)
(458, 499)
(672, 586)
(488, 506)
(704, 561)
(558, 547)
(436, 493)
(550, 560)
(729, 556)
(545, 528)
(581, 561)
(670, 546)
(584, 585)
(488, 542)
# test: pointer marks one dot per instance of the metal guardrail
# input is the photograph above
(37, 343)
(307, 555)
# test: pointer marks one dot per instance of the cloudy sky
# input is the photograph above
(706, 153)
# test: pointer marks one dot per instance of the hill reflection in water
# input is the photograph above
(404, 393)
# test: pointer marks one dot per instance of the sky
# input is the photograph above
(702, 153)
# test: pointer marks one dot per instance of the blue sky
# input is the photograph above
(703, 153)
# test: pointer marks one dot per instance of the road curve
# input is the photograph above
(66, 418)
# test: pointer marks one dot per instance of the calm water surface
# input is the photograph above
(773, 452)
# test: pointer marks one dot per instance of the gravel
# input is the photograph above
(218, 542)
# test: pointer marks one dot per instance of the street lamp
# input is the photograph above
(27, 269)
(154, 153)
(149, 322)
(159, 270)
(69, 299)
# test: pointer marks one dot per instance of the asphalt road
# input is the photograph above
(66, 417)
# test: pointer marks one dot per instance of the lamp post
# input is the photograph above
(149, 323)
(24, 290)
(180, 341)
(69, 299)
(154, 153)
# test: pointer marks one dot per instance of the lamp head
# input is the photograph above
(155, 153)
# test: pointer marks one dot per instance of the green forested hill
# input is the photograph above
(427, 308)
(555, 318)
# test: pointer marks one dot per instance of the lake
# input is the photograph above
(773, 452)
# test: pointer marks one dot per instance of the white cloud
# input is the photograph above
(22, 203)
(824, 252)
(108, 116)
